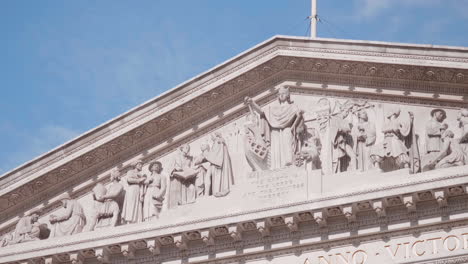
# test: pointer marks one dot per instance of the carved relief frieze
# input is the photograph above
(328, 141)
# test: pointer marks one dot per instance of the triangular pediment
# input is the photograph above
(321, 75)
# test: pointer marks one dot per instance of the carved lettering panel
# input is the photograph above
(281, 185)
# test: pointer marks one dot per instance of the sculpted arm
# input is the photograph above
(148, 180)
(114, 192)
(67, 214)
(22, 226)
(253, 106)
(432, 130)
(163, 186)
(199, 160)
(444, 152)
(162, 191)
(132, 179)
(371, 135)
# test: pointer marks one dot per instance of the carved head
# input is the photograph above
(463, 113)
(438, 114)
(64, 198)
(323, 107)
(204, 147)
(138, 164)
(443, 128)
(115, 175)
(155, 166)
(363, 116)
(216, 135)
(184, 148)
(34, 215)
(283, 95)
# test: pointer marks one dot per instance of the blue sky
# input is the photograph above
(68, 66)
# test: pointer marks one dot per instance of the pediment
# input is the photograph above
(370, 77)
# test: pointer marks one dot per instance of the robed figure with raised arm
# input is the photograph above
(285, 123)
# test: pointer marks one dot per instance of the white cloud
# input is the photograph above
(372, 8)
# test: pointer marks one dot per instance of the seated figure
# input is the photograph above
(451, 154)
(27, 229)
(71, 221)
(106, 211)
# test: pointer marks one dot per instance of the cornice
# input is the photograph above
(405, 194)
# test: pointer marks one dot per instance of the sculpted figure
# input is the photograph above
(364, 137)
(220, 166)
(107, 203)
(309, 155)
(451, 153)
(27, 229)
(344, 157)
(182, 178)
(132, 210)
(69, 222)
(463, 123)
(256, 147)
(155, 189)
(284, 125)
(434, 131)
(204, 177)
(339, 143)
(398, 149)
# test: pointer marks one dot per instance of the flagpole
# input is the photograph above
(313, 19)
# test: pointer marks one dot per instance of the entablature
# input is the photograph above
(423, 202)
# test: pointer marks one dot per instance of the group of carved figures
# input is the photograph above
(209, 173)
(273, 139)
(140, 201)
(281, 137)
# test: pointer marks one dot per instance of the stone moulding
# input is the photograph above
(442, 184)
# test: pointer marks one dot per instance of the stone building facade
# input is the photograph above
(296, 151)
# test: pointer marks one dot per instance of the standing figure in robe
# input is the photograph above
(220, 166)
(182, 178)
(203, 179)
(462, 119)
(344, 157)
(285, 123)
(463, 124)
(155, 189)
(107, 203)
(434, 131)
(398, 148)
(364, 136)
(132, 211)
(69, 222)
